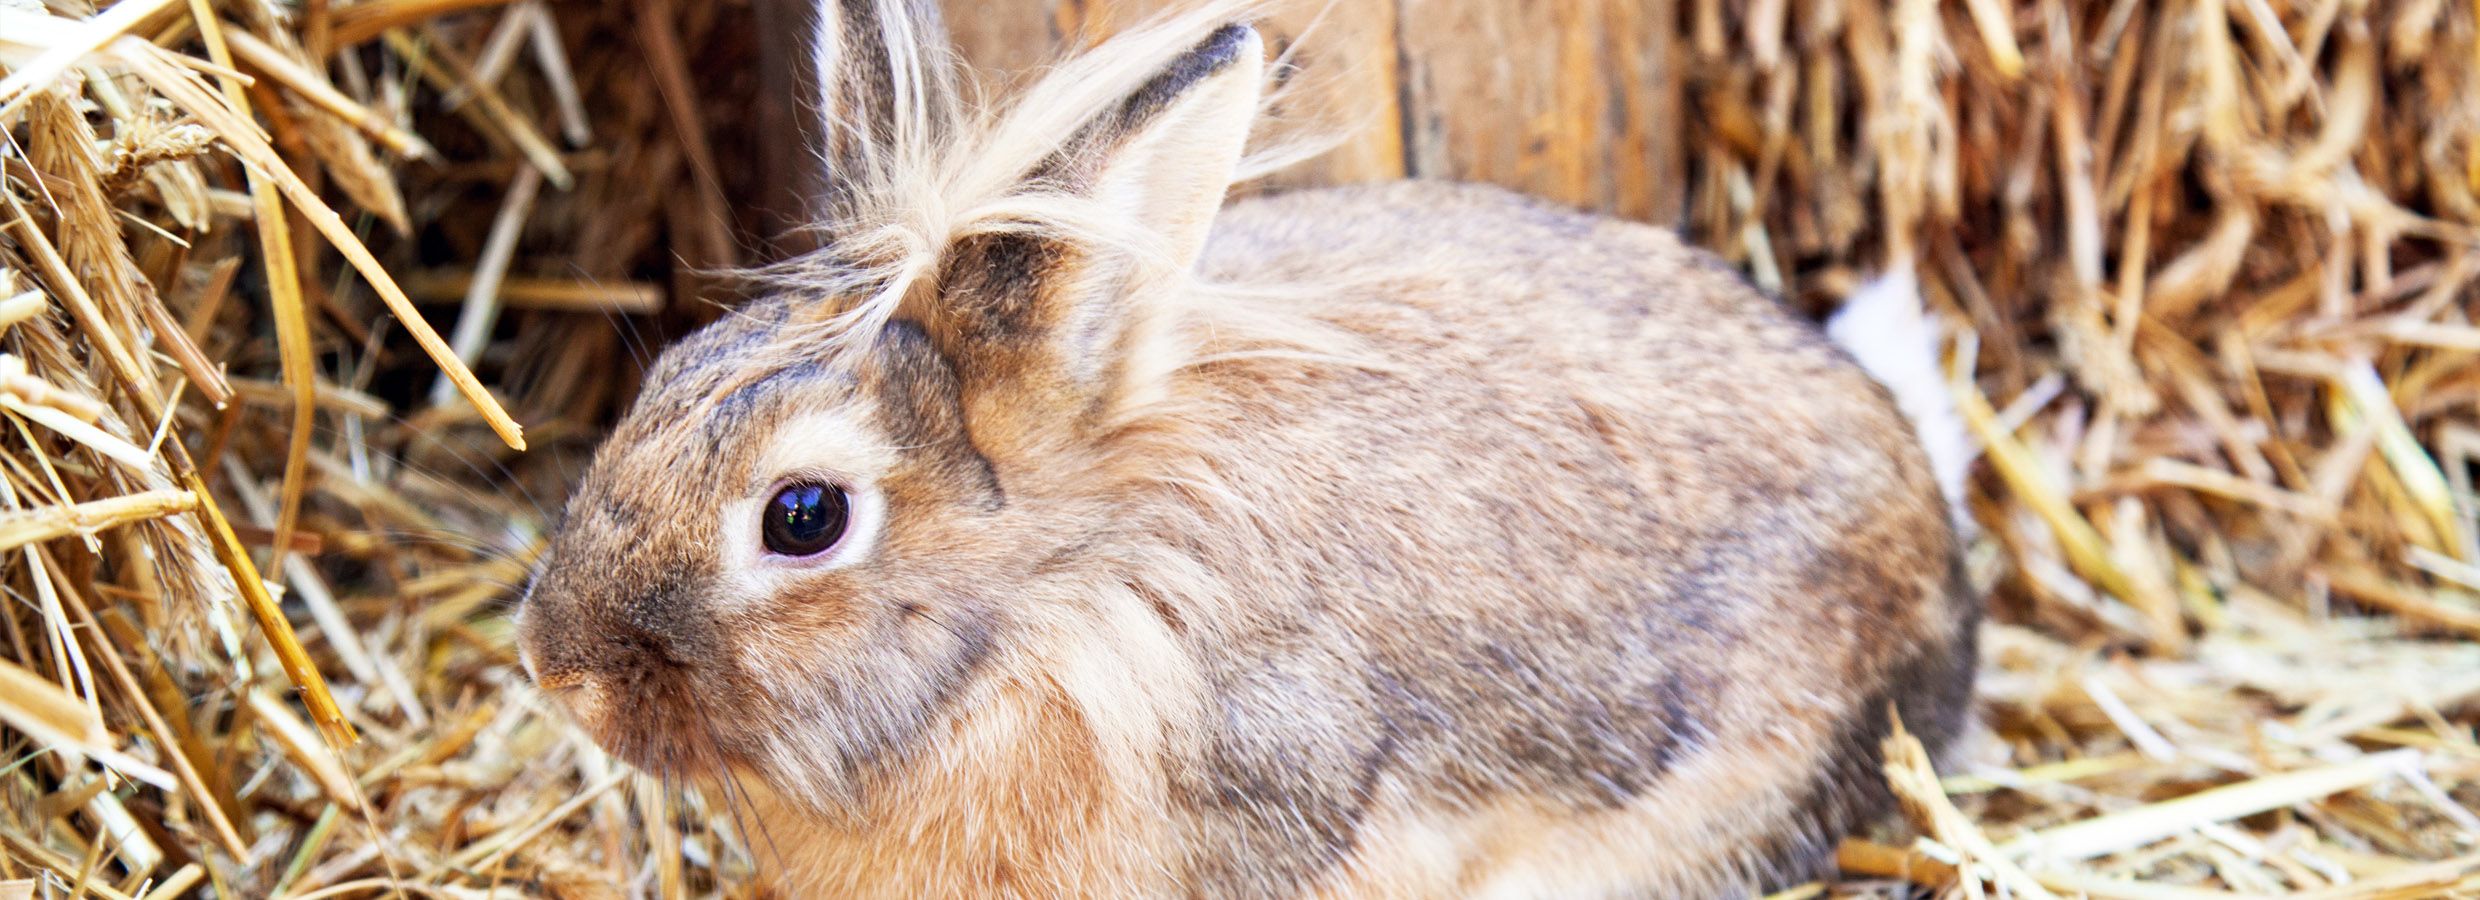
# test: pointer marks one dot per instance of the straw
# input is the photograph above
(2210, 265)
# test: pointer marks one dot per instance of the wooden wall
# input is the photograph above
(1573, 100)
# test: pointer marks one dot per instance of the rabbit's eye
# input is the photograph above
(805, 519)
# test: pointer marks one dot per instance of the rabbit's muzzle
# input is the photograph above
(636, 682)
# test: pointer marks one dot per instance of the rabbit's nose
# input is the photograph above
(553, 654)
(585, 695)
(572, 650)
(593, 668)
(602, 653)
(561, 672)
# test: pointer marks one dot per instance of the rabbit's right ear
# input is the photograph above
(1054, 330)
(885, 84)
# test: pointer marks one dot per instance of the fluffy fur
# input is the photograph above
(1401, 541)
(1884, 328)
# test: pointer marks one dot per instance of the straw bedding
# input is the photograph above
(2208, 264)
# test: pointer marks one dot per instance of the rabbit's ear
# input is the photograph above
(886, 84)
(1163, 158)
(1060, 330)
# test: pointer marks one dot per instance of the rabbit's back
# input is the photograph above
(1601, 580)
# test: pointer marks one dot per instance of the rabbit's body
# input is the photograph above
(1607, 582)
(1489, 550)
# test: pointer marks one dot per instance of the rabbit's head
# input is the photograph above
(808, 536)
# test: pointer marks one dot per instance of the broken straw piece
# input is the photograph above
(2132, 828)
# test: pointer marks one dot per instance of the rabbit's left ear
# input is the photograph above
(1165, 157)
(1043, 330)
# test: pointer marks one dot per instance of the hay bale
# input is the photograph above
(2208, 262)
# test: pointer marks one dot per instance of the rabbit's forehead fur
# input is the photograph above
(708, 411)
(722, 421)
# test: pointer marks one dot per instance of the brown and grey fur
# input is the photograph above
(1413, 540)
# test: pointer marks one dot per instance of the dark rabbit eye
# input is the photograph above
(806, 519)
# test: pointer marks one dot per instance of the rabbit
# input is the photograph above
(1058, 530)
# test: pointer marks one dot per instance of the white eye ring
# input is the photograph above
(826, 448)
(752, 575)
(752, 571)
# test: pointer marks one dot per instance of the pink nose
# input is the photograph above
(562, 659)
(577, 690)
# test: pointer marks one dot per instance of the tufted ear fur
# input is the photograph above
(1051, 332)
(886, 85)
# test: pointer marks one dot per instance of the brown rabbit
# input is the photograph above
(1058, 532)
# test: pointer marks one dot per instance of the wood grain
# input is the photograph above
(1571, 100)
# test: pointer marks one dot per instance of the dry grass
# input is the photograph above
(260, 525)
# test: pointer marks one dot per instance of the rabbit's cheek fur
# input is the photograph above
(1067, 715)
(848, 682)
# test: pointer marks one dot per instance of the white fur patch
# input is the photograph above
(1883, 326)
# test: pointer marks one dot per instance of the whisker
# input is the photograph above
(736, 801)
